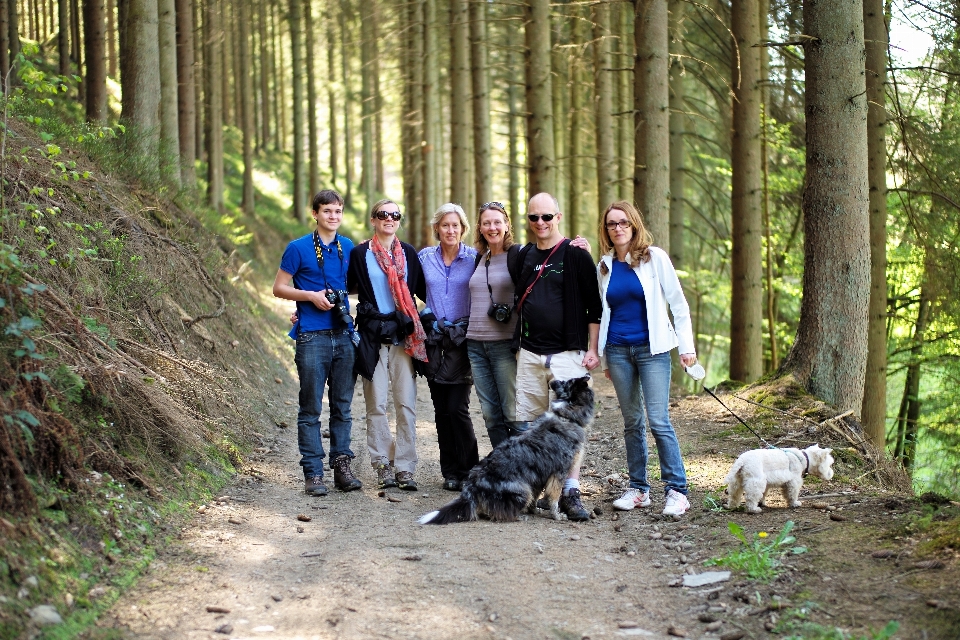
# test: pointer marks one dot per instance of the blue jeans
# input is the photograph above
(494, 368)
(324, 358)
(642, 383)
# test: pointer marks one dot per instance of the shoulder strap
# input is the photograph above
(476, 263)
(515, 257)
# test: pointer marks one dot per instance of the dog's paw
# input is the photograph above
(796, 505)
(754, 510)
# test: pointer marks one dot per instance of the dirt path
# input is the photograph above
(363, 568)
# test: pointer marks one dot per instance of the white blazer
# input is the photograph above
(660, 286)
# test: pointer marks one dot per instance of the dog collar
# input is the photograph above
(807, 458)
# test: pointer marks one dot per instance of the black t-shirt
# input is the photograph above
(541, 317)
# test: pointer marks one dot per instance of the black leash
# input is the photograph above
(749, 428)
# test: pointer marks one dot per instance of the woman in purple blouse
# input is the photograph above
(447, 269)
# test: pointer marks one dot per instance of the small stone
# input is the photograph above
(225, 629)
(618, 527)
(598, 510)
(278, 380)
(392, 499)
(936, 604)
(45, 614)
(656, 535)
(300, 529)
(202, 508)
(277, 597)
(234, 344)
(32, 582)
(615, 517)
(574, 537)
(492, 617)
(684, 559)
(96, 592)
(416, 557)
(68, 598)
(381, 494)
(302, 517)
(707, 617)
(627, 624)
(264, 628)
(713, 626)
(631, 553)
(677, 632)
(234, 520)
(224, 499)
(215, 609)
(733, 635)
(830, 507)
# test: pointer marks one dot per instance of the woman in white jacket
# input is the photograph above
(637, 280)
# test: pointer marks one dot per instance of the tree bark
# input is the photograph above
(312, 135)
(829, 356)
(431, 110)
(482, 171)
(909, 414)
(378, 185)
(577, 202)
(296, 61)
(607, 191)
(559, 75)
(652, 118)
(76, 48)
(540, 149)
(246, 106)
(625, 105)
(226, 54)
(213, 108)
(513, 132)
(347, 99)
(198, 78)
(186, 92)
(460, 159)
(5, 42)
(678, 126)
(169, 94)
(141, 82)
(331, 95)
(63, 38)
(412, 120)
(367, 35)
(280, 78)
(746, 268)
(266, 72)
(111, 38)
(876, 39)
(765, 164)
(94, 45)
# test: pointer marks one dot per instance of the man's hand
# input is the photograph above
(591, 360)
(688, 359)
(319, 300)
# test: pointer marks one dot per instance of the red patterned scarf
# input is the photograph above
(395, 268)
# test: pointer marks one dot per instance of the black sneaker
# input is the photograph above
(314, 486)
(570, 504)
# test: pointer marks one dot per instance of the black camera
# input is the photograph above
(339, 301)
(500, 312)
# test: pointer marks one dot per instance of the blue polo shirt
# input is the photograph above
(300, 261)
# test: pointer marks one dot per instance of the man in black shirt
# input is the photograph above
(558, 301)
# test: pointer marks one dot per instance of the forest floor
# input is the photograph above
(249, 566)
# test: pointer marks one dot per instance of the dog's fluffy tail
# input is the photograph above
(462, 509)
(734, 471)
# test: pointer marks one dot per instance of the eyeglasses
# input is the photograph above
(492, 205)
(619, 224)
(383, 215)
(546, 217)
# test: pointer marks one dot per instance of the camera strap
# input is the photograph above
(319, 251)
(486, 266)
(540, 272)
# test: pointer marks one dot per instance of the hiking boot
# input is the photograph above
(570, 504)
(343, 477)
(385, 476)
(452, 484)
(405, 481)
(631, 499)
(314, 486)
(676, 504)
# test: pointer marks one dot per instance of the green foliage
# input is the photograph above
(757, 558)
(796, 625)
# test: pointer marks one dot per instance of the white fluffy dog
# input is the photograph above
(756, 472)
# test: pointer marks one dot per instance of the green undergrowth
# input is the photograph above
(796, 624)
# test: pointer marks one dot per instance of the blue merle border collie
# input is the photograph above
(515, 473)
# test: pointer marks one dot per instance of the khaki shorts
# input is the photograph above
(534, 374)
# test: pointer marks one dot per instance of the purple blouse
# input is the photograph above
(448, 288)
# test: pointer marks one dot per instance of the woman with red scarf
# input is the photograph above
(386, 275)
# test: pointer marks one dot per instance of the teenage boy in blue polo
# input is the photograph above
(317, 265)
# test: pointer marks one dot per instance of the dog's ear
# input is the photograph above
(581, 384)
(557, 386)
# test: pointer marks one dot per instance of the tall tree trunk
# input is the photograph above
(213, 108)
(296, 60)
(746, 268)
(141, 82)
(460, 159)
(347, 99)
(678, 127)
(266, 72)
(63, 38)
(765, 164)
(198, 78)
(412, 120)
(75, 48)
(226, 54)
(169, 94)
(482, 167)
(829, 356)
(540, 150)
(378, 184)
(367, 34)
(625, 105)
(607, 190)
(186, 92)
(280, 80)
(652, 117)
(577, 203)
(246, 106)
(431, 110)
(331, 94)
(513, 132)
(558, 82)
(876, 39)
(5, 42)
(909, 414)
(111, 38)
(94, 45)
(314, 143)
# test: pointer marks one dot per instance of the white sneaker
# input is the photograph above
(632, 498)
(677, 504)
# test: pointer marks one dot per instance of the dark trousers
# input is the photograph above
(458, 443)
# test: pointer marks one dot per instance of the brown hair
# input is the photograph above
(641, 241)
(379, 203)
(479, 242)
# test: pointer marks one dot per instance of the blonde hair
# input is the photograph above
(480, 243)
(445, 209)
(638, 250)
(379, 203)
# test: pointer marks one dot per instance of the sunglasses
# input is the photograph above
(546, 217)
(622, 224)
(492, 205)
(383, 215)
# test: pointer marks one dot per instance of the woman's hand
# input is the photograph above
(581, 243)
(688, 359)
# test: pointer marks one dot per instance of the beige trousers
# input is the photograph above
(534, 374)
(394, 373)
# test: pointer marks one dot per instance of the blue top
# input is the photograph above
(380, 284)
(300, 261)
(628, 307)
(448, 288)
